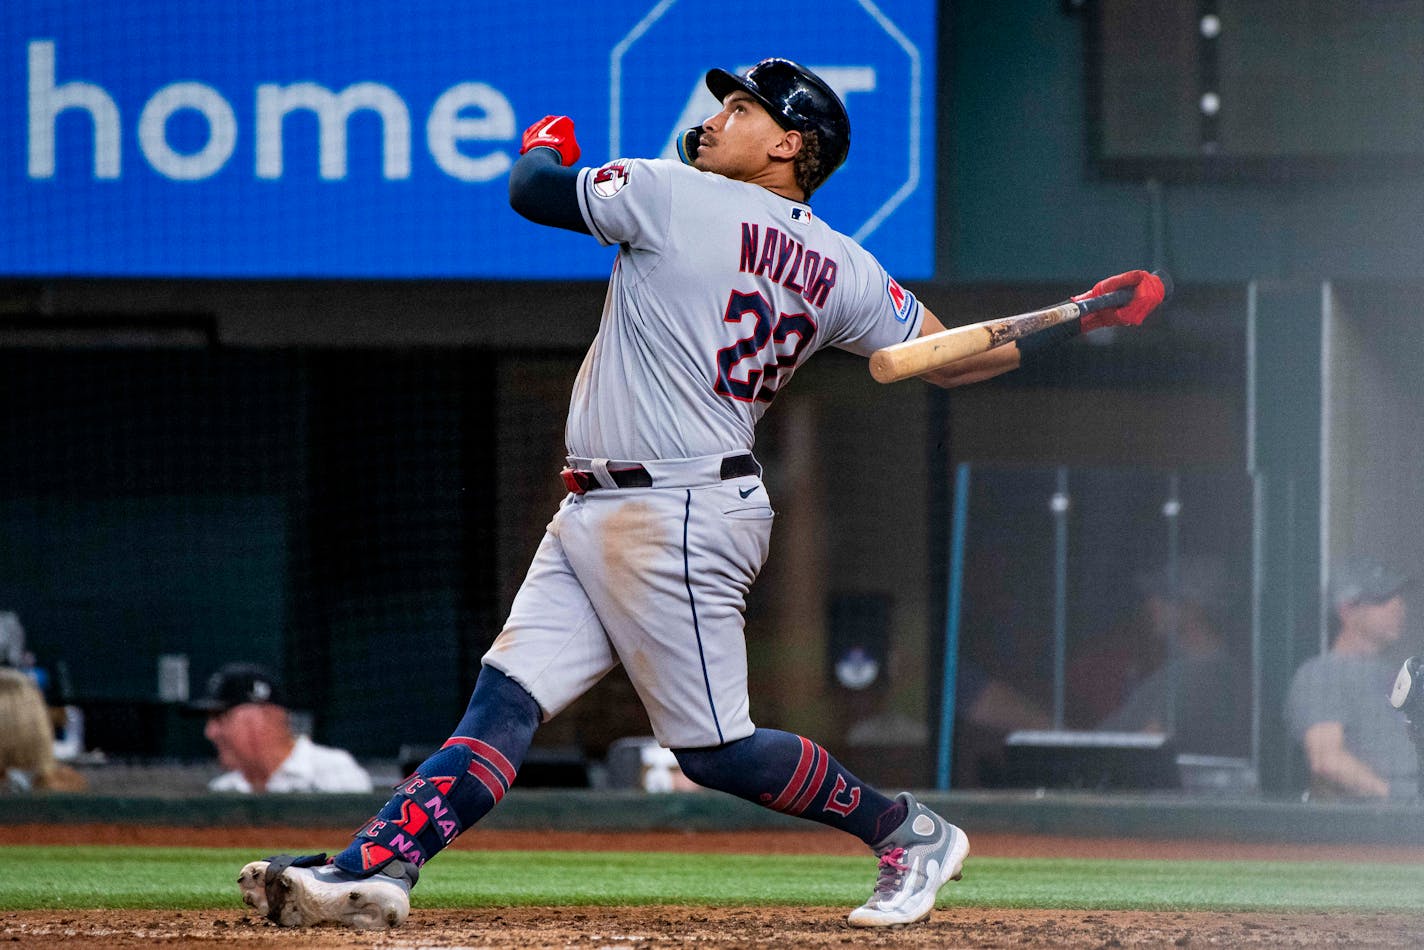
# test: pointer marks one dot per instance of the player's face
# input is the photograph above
(738, 141)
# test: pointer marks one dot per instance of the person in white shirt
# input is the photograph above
(250, 727)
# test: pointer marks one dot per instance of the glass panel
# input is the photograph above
(1102, 606)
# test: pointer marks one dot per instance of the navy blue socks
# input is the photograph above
(791, 774)
(456, 786)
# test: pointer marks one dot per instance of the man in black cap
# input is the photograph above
(249, 725)
(1338, 706)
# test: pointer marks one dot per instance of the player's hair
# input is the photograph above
(808, 164)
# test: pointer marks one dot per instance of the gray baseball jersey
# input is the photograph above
(720, 290)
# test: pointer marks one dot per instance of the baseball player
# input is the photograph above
(725, 282)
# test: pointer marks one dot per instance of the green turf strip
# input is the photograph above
(116, 877)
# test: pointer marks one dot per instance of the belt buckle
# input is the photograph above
(575, 481)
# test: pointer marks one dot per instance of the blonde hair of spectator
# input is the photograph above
(27, 735)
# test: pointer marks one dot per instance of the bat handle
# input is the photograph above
(1117, 298)
(1120, 297)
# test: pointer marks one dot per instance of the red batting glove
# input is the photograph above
(1147, 293)
(555, 132)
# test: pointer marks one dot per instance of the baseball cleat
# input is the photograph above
(916, 859)
(298, 893)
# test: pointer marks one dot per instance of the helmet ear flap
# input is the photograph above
(687, 144)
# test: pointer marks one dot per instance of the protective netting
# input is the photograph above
(333, 514)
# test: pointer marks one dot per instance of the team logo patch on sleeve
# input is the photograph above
(901, 300)
(610, 179)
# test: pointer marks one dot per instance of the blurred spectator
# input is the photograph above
(1200, 693)
(1356, 744)
(27, 740)
(12, 639)
(987, 710)
(1105, 667)
(13, 652)
(250, 726)
(995, 705)
(639, 762)
(31, 668)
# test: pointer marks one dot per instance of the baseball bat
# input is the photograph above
(913, 357)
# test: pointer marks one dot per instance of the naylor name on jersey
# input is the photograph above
(785, 260)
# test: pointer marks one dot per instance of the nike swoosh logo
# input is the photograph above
(547, 129)
(744, 494)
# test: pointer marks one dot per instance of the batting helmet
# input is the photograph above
(797, 99)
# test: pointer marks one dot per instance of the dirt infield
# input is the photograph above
(707, 927)
(644, 927)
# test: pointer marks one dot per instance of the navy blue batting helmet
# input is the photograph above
(797, 99)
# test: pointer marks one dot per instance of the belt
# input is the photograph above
(636, 476)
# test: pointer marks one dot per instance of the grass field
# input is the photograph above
(73, 878)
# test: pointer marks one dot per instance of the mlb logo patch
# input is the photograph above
(801, 215)
(610, 179)
(901, 300)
